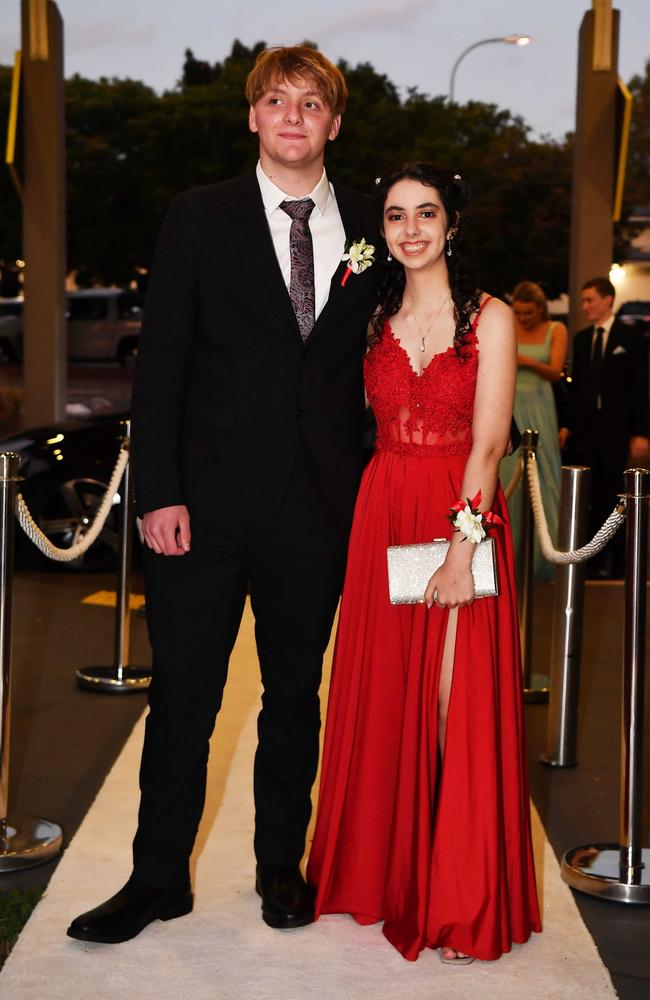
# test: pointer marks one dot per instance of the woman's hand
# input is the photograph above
(452, 585)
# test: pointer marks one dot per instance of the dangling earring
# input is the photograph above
(390, 256)
(449, 248)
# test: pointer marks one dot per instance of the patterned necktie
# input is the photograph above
(301, 252)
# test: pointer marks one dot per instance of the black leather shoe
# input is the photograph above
(287, 900)
(125, 914)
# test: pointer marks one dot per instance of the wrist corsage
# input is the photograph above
(470, 521)
(359, 256)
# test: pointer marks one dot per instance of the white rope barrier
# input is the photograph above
(597, 543)
(42, 542)
(516, 479)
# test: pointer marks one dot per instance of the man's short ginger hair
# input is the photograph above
(291, 62)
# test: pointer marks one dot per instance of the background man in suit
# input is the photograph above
(608, 410)
(247, 420)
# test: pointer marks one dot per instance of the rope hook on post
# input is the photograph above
(621, 872)
(25, 841)
(121, 678)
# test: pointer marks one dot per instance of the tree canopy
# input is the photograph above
(129, 150)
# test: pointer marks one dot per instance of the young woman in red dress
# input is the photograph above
(424, 815)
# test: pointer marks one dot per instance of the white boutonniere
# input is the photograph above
(359, 255)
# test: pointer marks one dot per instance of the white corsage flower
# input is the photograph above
(470, 525)
(359, 255)
(466, 517)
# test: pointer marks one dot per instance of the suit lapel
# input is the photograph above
(336, 296)
(251, 230)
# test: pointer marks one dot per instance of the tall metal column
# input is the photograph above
(622, 871)
(566, 640)
(592, 231)
(44, 233)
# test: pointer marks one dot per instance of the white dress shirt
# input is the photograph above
(327, 232)
(606, 327)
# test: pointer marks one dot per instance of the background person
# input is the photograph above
(608, 411)
(541, 353)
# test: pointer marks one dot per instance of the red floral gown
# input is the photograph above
(439, 850)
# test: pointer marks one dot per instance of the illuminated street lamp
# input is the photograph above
(508, 39)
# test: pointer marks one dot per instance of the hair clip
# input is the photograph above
(377, 180)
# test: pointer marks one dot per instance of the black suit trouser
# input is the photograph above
(294, 564)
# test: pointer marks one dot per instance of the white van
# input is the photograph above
(104, 324)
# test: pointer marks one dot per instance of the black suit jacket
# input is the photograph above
(226, 394)
(623, 391)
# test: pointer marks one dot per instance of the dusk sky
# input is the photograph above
(415, 42)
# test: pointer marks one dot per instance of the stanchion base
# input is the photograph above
(595, 869)
(109, 681)
(29, 841)
(548, 761)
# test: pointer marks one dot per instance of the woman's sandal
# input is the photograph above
(456, 960)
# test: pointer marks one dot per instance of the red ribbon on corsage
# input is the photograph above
(489, 517)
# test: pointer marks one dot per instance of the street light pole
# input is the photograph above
(508, 39)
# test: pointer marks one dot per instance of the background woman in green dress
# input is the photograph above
(542, 348)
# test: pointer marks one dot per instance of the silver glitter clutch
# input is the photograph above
(410, 567)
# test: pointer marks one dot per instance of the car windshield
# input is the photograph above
(87, 307)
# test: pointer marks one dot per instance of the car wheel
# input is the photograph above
(64, 512)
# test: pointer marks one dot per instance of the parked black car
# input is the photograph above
(636, 313)
(66, 468)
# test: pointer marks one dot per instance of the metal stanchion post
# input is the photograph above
(25, 841)
(532, 693)
(121, 678)
(622, 871)
(566, 641)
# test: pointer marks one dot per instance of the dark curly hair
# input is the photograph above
(464, 293)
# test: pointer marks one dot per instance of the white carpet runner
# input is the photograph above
(223, 951)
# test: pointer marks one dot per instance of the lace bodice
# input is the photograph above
(427, 414)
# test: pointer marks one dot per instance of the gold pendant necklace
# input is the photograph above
(423, 336)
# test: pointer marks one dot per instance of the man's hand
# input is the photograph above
(638, 448)
(563, 436)
(167, 530)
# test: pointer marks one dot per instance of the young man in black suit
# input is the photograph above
(608, 410)
(247, 421)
